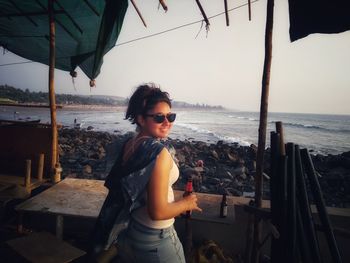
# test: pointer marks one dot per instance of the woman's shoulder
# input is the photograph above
(156, 143)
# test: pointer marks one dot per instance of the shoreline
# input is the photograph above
(75, 107)
(228, 167)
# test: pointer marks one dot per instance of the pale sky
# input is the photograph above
(223, 67)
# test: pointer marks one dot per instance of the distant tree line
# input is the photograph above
(26, 96)
(9, 94)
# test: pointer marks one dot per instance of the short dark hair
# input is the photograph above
(145, 98)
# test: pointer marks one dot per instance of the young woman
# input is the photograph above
(142, 178)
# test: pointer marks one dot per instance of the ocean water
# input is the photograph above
(324, 134)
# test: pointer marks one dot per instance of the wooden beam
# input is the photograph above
(262, 127)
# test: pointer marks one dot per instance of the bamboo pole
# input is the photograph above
(203, 14)
(54, 139)
(250, 10)
(138, 12)
(291, 222)
(279, 129)
(262, 126)
(226, 13)
(311, 252)
(162, 3)
(321, 205)
(27, 182)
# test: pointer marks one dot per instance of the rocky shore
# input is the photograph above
(216, 168)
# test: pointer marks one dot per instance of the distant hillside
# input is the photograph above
(181, 104)
(12, 95)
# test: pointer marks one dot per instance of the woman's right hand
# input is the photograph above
(191, 202)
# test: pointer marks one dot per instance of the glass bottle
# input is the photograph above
(223, 206)
(188, 191)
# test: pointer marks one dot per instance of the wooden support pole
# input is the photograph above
(59, 227)
(188, 239)
(279, 130)
(27, 175)
(138, 12)
(52, 58)
(262, 127)
(40, 167)
(20, 223)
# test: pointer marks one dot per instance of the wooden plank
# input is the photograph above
(18, 180)
(5, 185)
(210, 204)
(43, 247)
(71, 197)
(84, 198)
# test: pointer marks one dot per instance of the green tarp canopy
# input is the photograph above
(85, 31)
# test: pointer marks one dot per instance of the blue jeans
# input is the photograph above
(139, 243)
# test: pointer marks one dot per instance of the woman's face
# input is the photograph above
(149, 127)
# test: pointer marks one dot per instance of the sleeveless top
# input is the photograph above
(141, 214)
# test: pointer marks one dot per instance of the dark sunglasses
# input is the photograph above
(160, 118)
